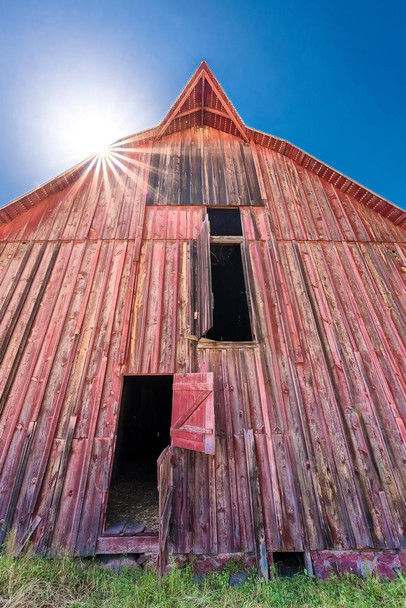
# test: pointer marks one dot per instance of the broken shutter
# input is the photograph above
(204, 296)
(193, 412)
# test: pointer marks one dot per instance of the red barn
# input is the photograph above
(217, 290)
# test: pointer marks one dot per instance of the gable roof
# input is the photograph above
(203, 102)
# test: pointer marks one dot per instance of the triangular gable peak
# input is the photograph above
(203, 103)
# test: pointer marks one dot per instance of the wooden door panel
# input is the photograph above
(192, 425)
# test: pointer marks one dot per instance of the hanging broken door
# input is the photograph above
(203, 289)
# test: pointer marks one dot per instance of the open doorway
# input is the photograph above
(143, 433)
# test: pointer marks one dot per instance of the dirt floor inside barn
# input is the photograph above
(134, 498)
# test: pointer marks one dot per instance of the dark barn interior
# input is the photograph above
(225, 222)
(143, 433)
(289, 563)
(231, 320)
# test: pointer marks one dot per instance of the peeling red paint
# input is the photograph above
(385, 564)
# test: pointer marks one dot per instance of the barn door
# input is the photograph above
(192, 425)
(204, 297)
(192, 428)
(165, 489)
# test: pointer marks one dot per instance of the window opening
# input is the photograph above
(289, 563)
(231, 320)
(225, 222)
(143, 433)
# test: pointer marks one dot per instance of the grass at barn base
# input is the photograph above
(51, 583)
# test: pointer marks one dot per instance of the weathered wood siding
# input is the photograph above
(202, 167)
(95, 283)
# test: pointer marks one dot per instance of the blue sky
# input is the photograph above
(329, 77)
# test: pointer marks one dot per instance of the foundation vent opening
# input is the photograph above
(289, 563)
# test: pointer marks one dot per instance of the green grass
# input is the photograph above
(50, 583)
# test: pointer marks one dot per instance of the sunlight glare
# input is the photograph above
(87, 126)
(103, 150)
(85, 104)
(93, 132)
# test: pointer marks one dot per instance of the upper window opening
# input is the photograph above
(231, 321)
(225, 222)
(222, 308)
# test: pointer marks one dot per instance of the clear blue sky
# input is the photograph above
(327, 76)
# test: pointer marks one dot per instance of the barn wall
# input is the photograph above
(95, 283)
(334, 392)
(68, 370)
(324, 394)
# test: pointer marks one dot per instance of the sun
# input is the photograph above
(103, 150)
(85, 127)
(93, 132)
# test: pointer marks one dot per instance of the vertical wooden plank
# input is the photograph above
(64, 529)
(166, 349)
(17, 483)
(225, 407)
(271, 191)
(139, 311)
(47, 484)
(256, 507)
(57, 491)
(13, 276)
(165, 489)
(254, 194)
(87, 320)
(269, 493)
(340, 216)
(201, 521)
(222, 505)
(183, 349)
(196, 170)
(95, 496)
(213, 542)
(182, 507)
(243, 492)
(153, 309)
(315, 415)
